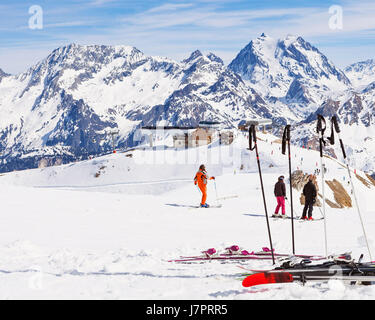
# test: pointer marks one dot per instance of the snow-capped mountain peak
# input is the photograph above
(272, 66)
(77, 93)
(3, 74)
(361, 73)
(57, 107)
(193, 57)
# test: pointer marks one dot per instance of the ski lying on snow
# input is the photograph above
(302, 264)
(234, 253)
(287, 277)
(332, 269)
(221, 258)
(340, 267)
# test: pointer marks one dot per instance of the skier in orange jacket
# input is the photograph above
(201, 179)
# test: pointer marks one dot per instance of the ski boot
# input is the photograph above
(291, 262)
(210, 252)
(205, 205)
(342, 258)
(233, 250)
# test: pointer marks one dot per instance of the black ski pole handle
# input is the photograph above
(252, 137)
(321, 121)
(343, 149)
(321, 147)
(287, 128)
(331, 139)
(320, 130)
(336, 124)
(286, 138)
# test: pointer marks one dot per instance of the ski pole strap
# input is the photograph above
(335, 124)
(320, 129)
(252, 137)
(331, 139)
(286, 138)
(335, 127)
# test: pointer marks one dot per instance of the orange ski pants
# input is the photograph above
(203, 189)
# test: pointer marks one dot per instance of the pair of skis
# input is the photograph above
(335, 268)
(217, 206)
(280, 217)
(288, 277)
(234, 253)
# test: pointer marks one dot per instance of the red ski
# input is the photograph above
(267, 278)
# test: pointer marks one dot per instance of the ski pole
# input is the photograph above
(336, 127)
(320, 130)
(253, 138)
(286, 140)
(288, 201)
(321, 212)
(217, 198)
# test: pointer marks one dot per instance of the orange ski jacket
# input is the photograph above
(201, 178)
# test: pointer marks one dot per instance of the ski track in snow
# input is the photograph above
(59, 241)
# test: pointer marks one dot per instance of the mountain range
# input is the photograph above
(65, 107)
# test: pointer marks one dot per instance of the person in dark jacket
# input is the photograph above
(310, 193)
(280, 194)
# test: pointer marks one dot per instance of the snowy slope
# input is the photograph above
(78, 236)
(361, 74)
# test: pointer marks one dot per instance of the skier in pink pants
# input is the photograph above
(280, 194)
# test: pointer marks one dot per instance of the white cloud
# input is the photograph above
(305, 21)
(99, 3)
(171, 7)
(175, 29)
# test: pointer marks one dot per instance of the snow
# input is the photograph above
(277, 64)
(361, 73)
(122, 86)
(66, 234)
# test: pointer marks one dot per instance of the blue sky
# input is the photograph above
(176, 28)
